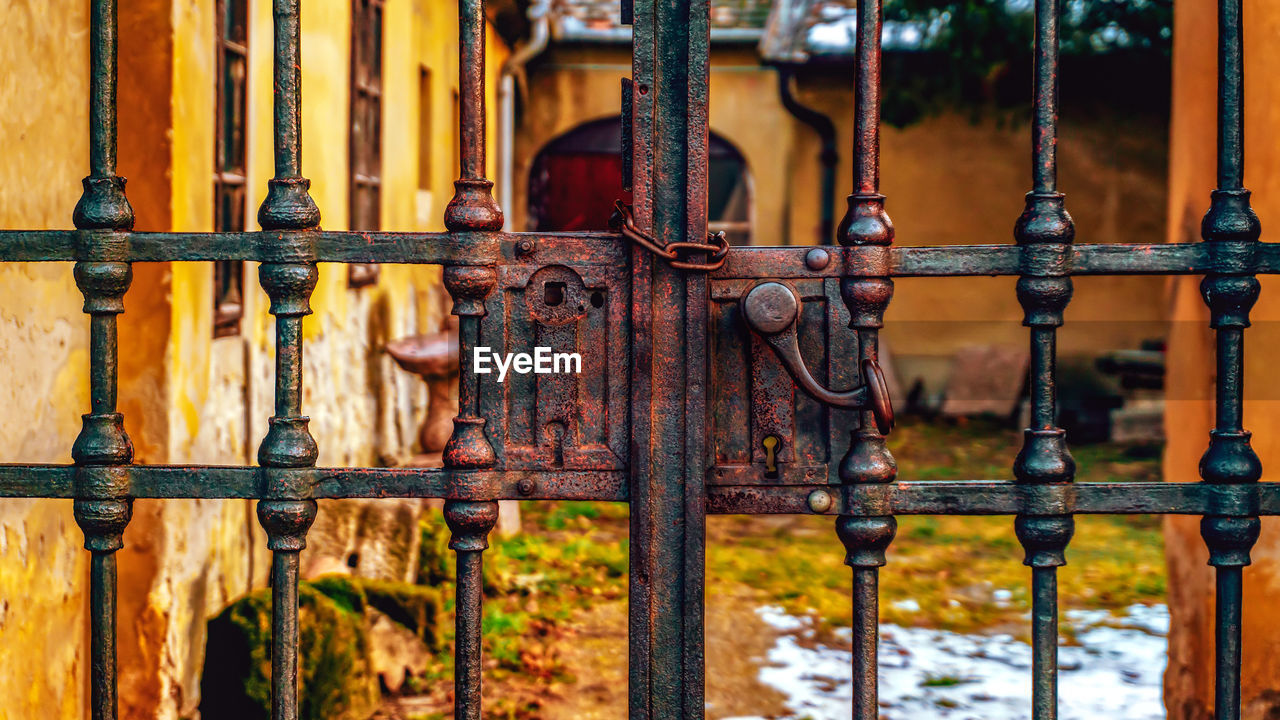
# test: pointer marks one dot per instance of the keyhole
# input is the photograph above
(552, 293)
(554, 433)
(771, 443)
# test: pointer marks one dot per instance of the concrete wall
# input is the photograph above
(1189, 415)
(950, 180)
(187, 397)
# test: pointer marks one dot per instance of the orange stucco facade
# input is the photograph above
(1189, 415)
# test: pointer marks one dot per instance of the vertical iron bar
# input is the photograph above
(867, 296)
(286, 511)
(1231, 230)
(669, 409)
(287, 77)
(866, 640)
(1044, 231)
(288, 205)
(102, 451)
(695, 48)
(866, 123)
(468, 448)
(284, 624)
(471, 108)
(103, 698)
(1044, 642)
(102, 88)
(1044, 129)
(472, 207)
(641, 559)
(1230, 95)
(470, 523)
(1226, 660)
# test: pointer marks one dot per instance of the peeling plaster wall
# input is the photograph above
(186, 397)
(43, 570)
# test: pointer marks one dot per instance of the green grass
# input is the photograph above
(950, 566)
(943, 681)
(957, 573)
(953, 568)
(568, 556)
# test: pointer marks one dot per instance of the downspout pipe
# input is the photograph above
(539, 14)
(829, 156)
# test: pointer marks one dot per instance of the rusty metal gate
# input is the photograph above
(692, 356)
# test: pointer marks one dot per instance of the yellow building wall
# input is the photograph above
(187, 397)
(43, 570)
(1189, 413)
(949, 181)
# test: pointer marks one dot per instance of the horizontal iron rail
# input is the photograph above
(969, 497)
(219, 482)
(992, 497)
(994, 260)
(495, 248)
(422, 248)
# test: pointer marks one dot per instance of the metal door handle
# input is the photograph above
(771, 309)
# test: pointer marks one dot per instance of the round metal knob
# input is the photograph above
(770, 308)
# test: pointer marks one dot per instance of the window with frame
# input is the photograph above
(229, 190)
(366, 128)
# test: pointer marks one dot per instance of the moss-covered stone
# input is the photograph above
(345, 590)
(415, 607)
(337, 682)
(435, 559)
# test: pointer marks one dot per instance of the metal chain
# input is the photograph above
(677, 253)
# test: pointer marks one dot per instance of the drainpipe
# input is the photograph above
(828, 156)
(539, 14)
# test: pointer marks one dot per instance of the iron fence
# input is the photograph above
(645, 423)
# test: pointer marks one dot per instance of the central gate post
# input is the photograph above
(669, 407)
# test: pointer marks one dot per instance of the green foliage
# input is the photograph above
(981, 50)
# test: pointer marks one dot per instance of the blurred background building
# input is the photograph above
(954, 172)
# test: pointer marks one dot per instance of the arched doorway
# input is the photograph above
(577, 176)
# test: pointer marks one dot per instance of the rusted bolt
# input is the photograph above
(817, 259)
(820, 501)
(524, 247)
(526, 486)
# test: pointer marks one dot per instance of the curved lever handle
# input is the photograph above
(771, 310)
